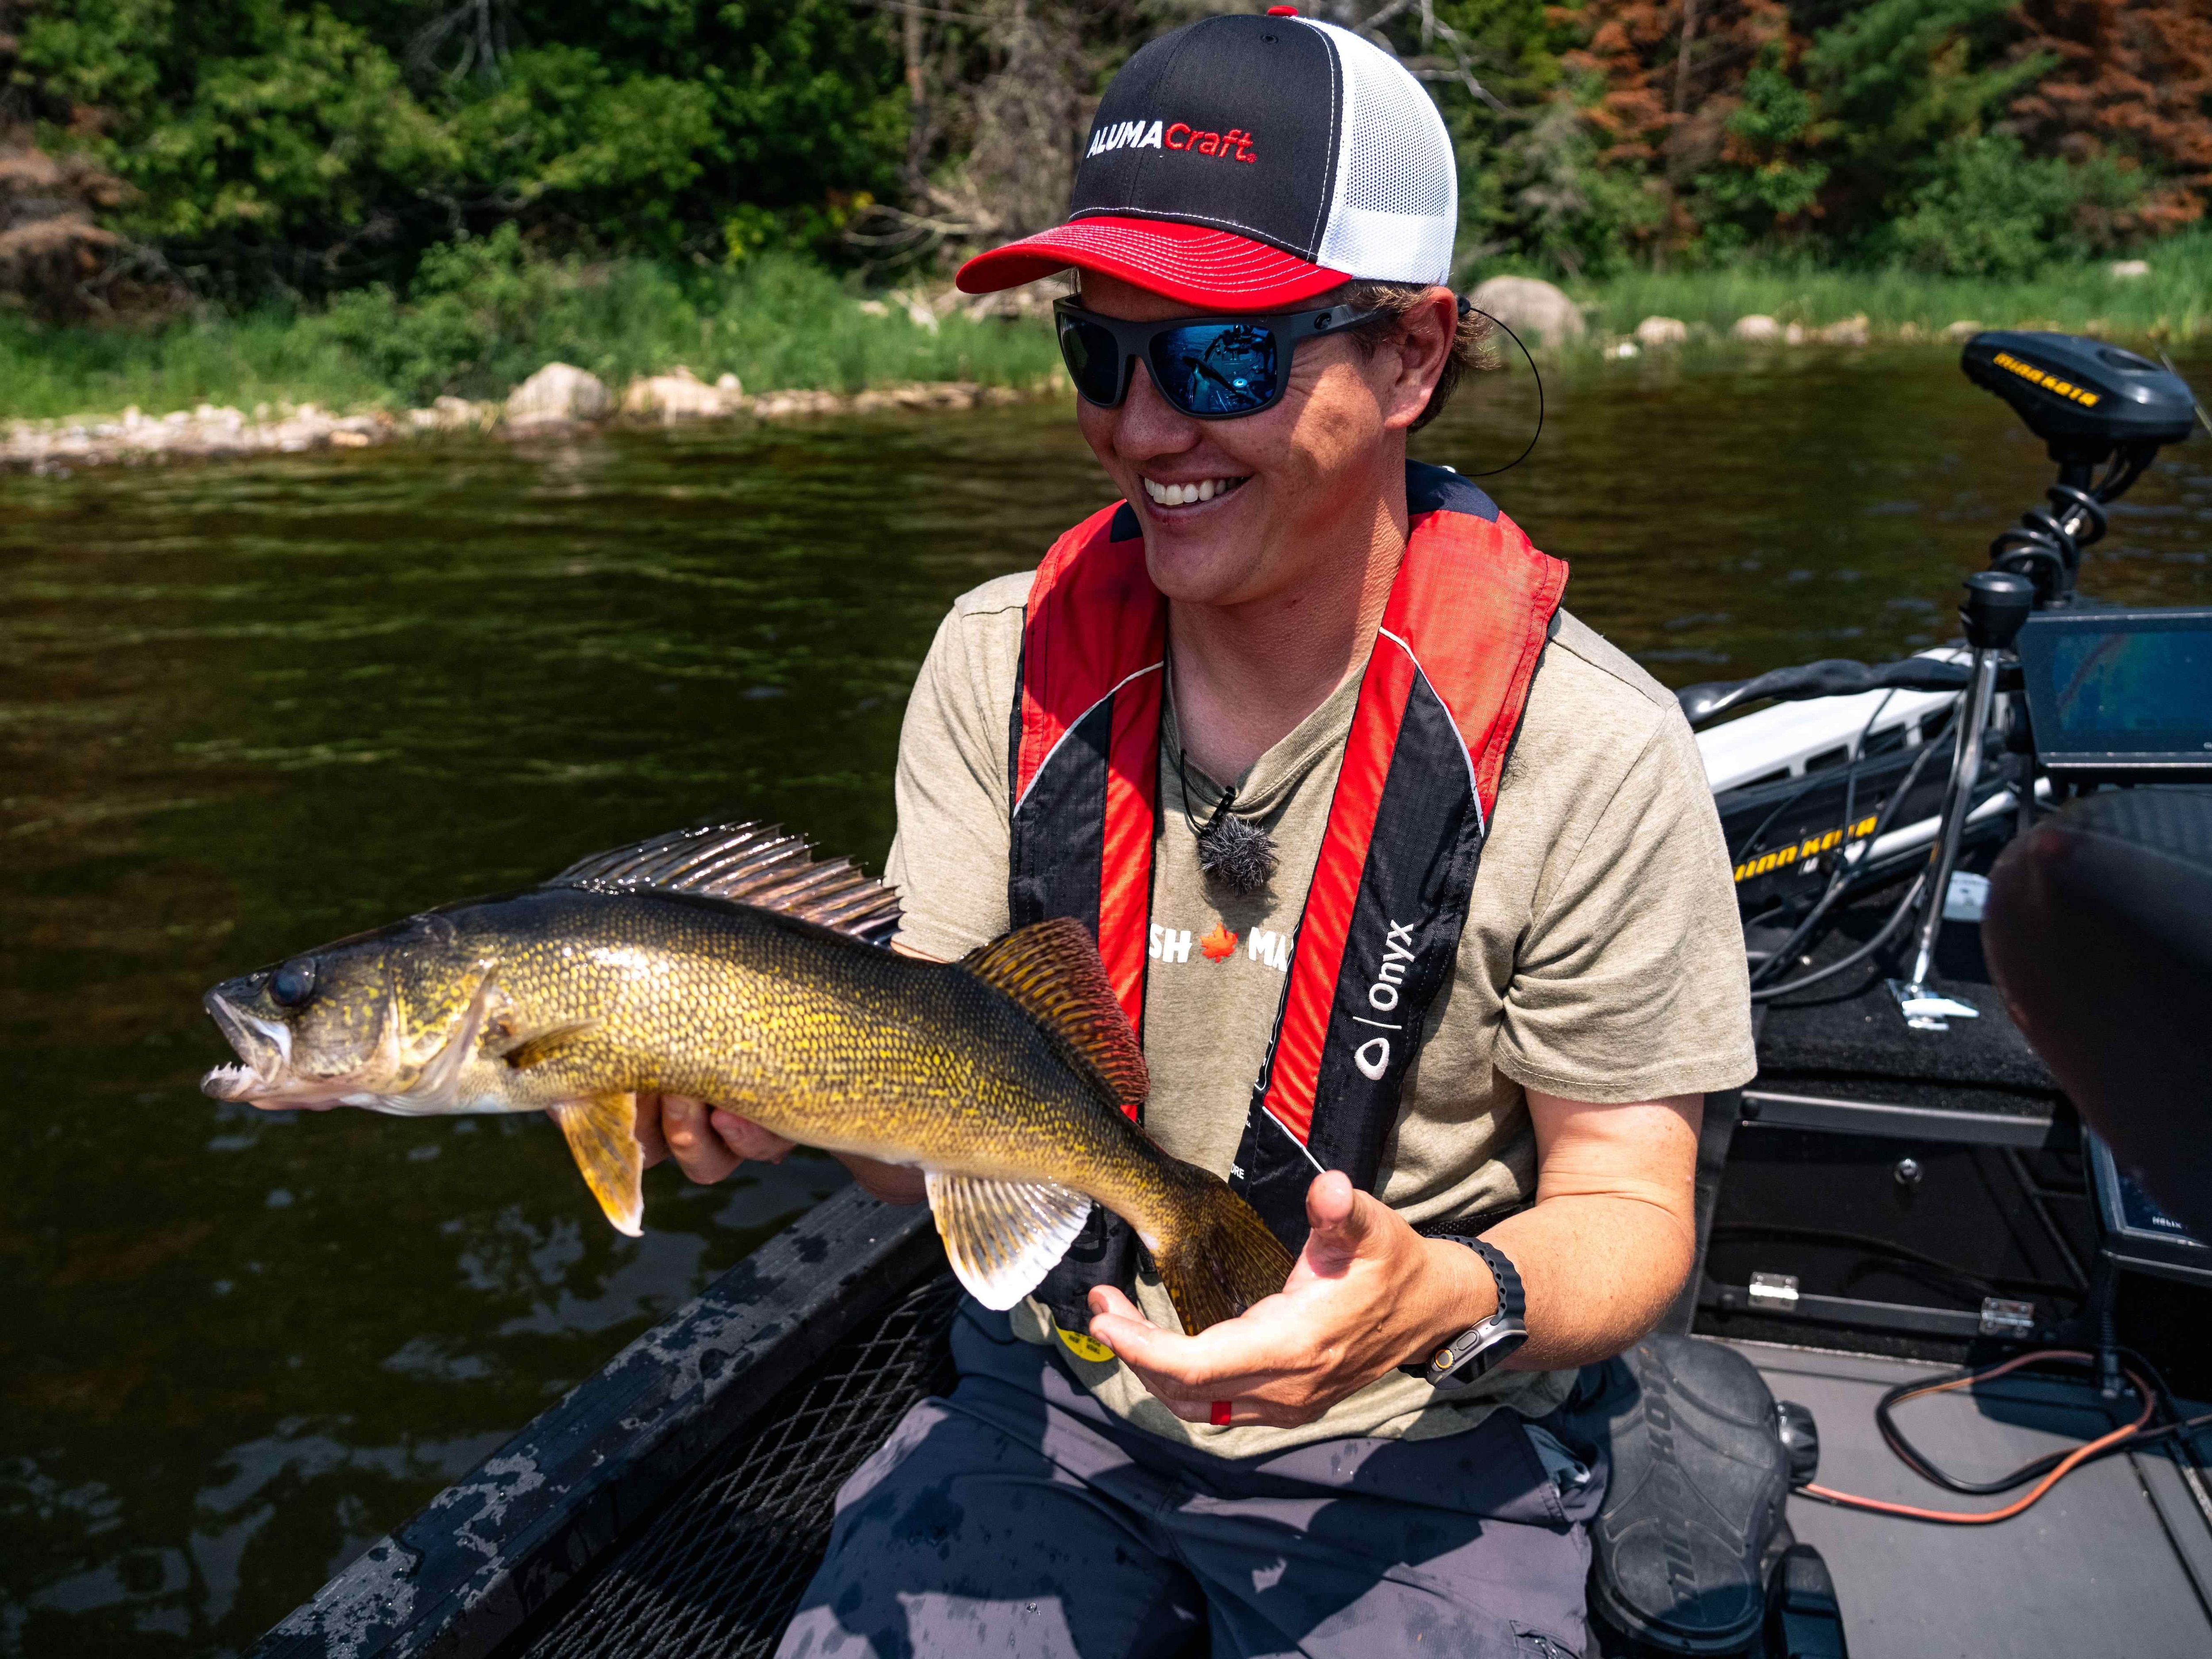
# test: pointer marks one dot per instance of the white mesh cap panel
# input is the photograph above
(1395, 207)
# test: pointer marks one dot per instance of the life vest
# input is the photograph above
(1439, 703)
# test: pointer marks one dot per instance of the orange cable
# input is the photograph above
(2073, 1460)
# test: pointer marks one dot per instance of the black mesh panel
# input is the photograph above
(716, 1573)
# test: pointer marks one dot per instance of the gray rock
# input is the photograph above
(558, 391)
(1531, 308)
(1756, 327)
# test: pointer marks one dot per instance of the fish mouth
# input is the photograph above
(264, 1048)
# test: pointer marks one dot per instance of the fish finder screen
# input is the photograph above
(2127, 689)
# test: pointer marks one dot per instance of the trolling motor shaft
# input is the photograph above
(1997, 602)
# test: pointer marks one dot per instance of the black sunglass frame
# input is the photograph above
(1136, 341)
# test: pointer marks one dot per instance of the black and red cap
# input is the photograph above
(1246, 164)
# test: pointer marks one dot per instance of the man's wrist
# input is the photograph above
(1465, 1295)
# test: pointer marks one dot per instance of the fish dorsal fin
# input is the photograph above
(752, 864)
(1002, 1238)
(1052, 971)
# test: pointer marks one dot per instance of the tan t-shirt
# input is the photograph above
(1603, 960)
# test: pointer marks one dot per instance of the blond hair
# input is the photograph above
(1397, 301)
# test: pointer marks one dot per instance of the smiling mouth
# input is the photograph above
(1190, 495)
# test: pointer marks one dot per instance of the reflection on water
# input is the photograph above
(244, 709)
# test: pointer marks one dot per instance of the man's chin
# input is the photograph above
(1201, 563)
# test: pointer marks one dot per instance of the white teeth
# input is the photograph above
(1187, 495)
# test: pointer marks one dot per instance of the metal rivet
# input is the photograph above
(1907, 1172)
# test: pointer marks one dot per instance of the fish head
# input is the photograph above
(385, 1019)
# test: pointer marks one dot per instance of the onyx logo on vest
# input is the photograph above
(1372, 1057)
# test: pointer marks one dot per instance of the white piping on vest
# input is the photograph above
(1079, 720)
(1294, 1140)
(1473, 789)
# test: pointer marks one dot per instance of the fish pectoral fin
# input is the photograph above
(541, 1046)
(1052, 972)
(602, 1131)
(1002, 1238)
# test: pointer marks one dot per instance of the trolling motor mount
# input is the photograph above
(2090, 403)
(1997, 602)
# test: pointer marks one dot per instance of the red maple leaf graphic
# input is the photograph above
(1219, 946)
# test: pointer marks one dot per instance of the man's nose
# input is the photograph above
(1147, 424)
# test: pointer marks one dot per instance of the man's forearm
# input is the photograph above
(1612, 1236)
(1598, 1273)
(894, 1183)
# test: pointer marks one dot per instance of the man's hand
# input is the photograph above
(708, 1142)
(1368, 1294)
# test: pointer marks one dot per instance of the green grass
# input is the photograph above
(2173, 302)
(486, 314)
(485, 324)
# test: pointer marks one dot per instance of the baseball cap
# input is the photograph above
(1246, 163)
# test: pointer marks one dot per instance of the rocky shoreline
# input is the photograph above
(559, 399)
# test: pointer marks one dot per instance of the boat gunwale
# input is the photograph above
(480, 1559)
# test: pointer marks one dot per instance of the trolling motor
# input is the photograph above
(2091, 404)
(2096, 406)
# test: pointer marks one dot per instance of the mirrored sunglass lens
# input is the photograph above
(1093, 358)
(1216, 368)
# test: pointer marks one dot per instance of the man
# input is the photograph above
(1403, 874)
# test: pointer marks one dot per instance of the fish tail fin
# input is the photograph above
(1221, 1259)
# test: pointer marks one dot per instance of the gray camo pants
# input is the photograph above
(1019, 1518)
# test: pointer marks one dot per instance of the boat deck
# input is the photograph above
(2117, 1560)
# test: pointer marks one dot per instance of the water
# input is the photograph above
(244, 709)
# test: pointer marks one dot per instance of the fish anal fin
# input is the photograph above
(541, 1046)
(1002, 1238)
(754, 864)
(1052, 971)
(602, 1133)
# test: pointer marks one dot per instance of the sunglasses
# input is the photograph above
(1211, 368)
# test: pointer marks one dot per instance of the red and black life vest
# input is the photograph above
(1439, 704)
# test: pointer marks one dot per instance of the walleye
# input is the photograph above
(724, 964)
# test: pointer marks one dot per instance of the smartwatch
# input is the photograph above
(1481, 1348)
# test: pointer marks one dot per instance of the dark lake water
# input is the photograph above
(247, 708)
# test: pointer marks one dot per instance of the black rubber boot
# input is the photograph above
(1802, 1618)
(1699, 1479)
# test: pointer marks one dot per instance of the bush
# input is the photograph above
(1993, 210)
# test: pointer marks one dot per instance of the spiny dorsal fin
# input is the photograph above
(1052, 971)
(752, 864)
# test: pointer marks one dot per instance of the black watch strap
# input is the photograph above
(1512, 1300)
(1481, 1347)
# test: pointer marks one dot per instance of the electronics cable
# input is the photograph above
(1839, 882)
(1898, 918)
(2047, 1472)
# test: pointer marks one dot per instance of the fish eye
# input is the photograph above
(294, 983)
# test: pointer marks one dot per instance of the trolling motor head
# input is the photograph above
(2089, 402)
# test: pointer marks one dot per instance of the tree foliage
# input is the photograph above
(313, 146)
(326, 143)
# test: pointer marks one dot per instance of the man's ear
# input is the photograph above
(1424, 345)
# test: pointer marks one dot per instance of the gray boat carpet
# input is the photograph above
(2115, 1560)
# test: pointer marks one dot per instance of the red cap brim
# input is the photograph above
(1192, 264)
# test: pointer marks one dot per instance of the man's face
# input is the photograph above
(1287, 486)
